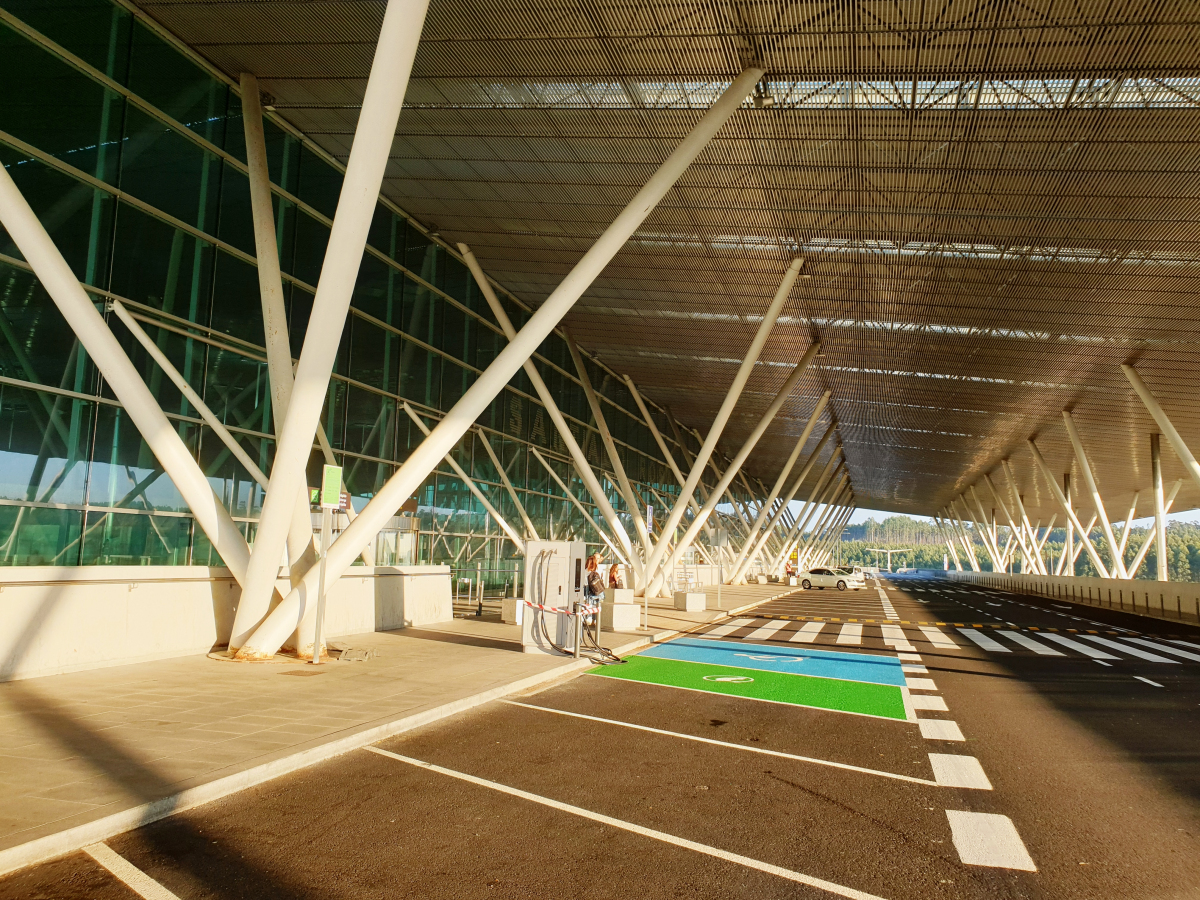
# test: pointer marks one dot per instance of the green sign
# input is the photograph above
(331, 487)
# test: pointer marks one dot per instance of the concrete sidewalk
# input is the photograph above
(90, 754)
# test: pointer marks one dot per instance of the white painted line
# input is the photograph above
(925, 701)
(765, 632)
(1182, 654)
(808, 633)
(851, 633)
(987, 839)
(920, 684)
(729, 627)
(940, 730)
(128, 874)
(1075, 645)
(1148, 681)
(1186, 644)
(787, 874)
(1132, 651)
(983, 640)
(951, 770)
(1030, 644)
(1101, 662)
(894, 637)
(939, 640)
(716, 743)
(913, 670)
(909, 657)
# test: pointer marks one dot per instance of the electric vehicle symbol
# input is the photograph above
(765, 658)
(729, 679)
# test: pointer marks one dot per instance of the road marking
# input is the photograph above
(1075, 645)
(909, 657)
(920, 684)
(764, 633)
(1183, 654)
(940, 730)
(731, 627)
(987, 839)
(1030, 644)
(1186, 644)
(707, 850)
(716, 743)
(939, 640)
(850, 634)
(951, 770)
(894, 637)
(128, 874)
(808, 633)
(1101, 662)
(926, 701)
(1132, 651)
(983, 640)
(1148, 681)
(914, 670)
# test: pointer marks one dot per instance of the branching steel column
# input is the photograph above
(76, 306)
(949, 543)
(1089, 479)
(960, 531)
(1062, 501)
(590, 481)
(735, 466)
(1152, 538)
(1156, 411)
(968, 536)
(1160, 516)
(1016, 532)
(395, 50)
(587, 514)
(530, 531)
(796, 533)
(493, 380)
(829, 500)
(723, 414)
(1012, 488)
(1129, 523)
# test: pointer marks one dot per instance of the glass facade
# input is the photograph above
(132, 155)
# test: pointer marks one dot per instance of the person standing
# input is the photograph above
(614, 576)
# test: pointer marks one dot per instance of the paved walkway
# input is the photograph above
(143, 740)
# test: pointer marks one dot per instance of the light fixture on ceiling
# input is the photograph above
(762, 98)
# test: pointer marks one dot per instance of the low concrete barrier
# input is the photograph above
(1175, 601)
(72, 618)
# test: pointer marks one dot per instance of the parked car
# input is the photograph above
(842, 579)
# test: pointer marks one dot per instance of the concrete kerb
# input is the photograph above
(73, 839)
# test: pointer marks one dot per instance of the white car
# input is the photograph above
(842, 579)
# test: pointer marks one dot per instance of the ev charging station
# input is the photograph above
(554, 579)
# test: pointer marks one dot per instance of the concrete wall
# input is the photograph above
(66, 619)
(1176, 601)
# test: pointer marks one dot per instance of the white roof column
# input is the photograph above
(1089, 479)
(1084, 537)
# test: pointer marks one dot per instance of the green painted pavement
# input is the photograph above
(885, 701)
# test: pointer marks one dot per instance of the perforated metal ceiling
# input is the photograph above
(997, 204)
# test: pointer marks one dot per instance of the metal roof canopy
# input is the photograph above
(997, 205)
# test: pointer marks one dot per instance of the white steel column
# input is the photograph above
(587, 515)
(535, 378)
(768, 504)
(795, 534)
(1152, 538)
(829, 503)
(493, 380)
(1089, 479)
(735, 466)
(960, 532)
(624, 488)
(76, 306)
(1160, 516)
(1015, 532)
(1062, 501)
(1012, 487)
(727, 406)
(373, 138)
(530, 531)
(1069, 543)
(949, 543)
(752, 548)
(1129, 523)
(1156, 411)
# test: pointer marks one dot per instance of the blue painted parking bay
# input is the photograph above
(862, 667)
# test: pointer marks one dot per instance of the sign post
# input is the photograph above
(331, 498)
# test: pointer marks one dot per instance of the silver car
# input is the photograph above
(842, 579)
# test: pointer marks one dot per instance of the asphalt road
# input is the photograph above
(608, 787)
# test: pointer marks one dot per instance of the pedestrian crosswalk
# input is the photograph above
(927, 638)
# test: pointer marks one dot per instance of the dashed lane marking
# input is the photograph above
(987, 839)
(128, 874)
(1030, 644)
(951, 770)
(1147, 680)
(750, 863)
(940, 730)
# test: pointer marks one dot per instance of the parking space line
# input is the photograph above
(128, 874)
(987, 839)
(940, 730)
(750, 863)
(716, 743)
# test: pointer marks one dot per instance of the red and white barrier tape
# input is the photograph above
(562, 611)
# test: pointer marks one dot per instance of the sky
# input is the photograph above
(861, 515)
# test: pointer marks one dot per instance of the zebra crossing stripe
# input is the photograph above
(939, 640)
(940, 730)
(1183, 654)
(766, 631)
(850, 634)
(1075, 645)
(731, 627)
(1030, 644)
(983, 640)
(808, 633)
(1132, 651)
(894, 637)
